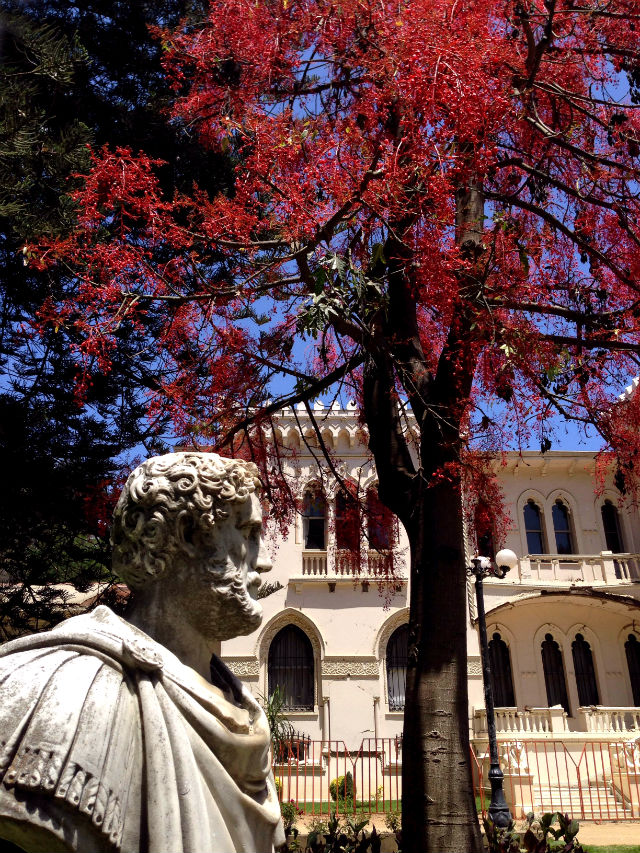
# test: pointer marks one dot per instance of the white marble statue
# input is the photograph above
(112, 736)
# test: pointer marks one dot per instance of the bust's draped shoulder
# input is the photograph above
(103, 726)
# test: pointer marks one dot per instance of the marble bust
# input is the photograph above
(125, 735)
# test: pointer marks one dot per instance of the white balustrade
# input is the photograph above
(529, 721)
(604, 720)
(314, 563)
(588, 568)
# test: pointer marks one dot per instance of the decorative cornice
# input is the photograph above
(243, 667)
(288, 617)
(342, 667)
(400, 617)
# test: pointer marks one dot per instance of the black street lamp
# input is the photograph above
(480, 569)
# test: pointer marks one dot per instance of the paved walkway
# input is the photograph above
(623, 832)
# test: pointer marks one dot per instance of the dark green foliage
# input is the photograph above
(541, 836)
(341, 790)
(393, 821)
(290, 814)
(279, 726)
(347, 837)
(70, 76)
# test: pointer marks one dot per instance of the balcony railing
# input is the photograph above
(314, 563)
(605, 719)
(596, 720)
(344, 564)
(603, 568)
(528, 722)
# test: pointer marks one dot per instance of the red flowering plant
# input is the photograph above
(441, 198)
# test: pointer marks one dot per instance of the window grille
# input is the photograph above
(562, 528)
(554, 677)
(585, 672)
(297, 747)
(397, 654)
(501, 677)
(380, 523)
(612, 533)
(484, 529)
(347, 523)
(611, 524)
(632, 649)
(533, 528)
(314, 513)
(290, 667)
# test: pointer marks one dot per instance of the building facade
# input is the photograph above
(564, 625)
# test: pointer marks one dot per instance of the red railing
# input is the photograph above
(305, 776)
(588, 780)
(594, 780)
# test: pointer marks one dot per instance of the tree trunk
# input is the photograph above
(438, 806)
(439, 813)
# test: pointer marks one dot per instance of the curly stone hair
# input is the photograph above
(163, 493)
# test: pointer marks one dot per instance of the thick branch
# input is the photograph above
(315, 387)
(387, 441)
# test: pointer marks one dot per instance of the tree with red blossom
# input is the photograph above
(441, 198)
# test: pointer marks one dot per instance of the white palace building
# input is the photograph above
(564, 631)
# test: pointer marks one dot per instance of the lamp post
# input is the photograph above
(480, 569)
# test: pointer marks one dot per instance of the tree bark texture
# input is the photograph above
(438, 806)
(439, 814)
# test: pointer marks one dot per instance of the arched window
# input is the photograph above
(554, 677)
(484, 529)
(380, 523)
(397, 653)
(611, 524)
(562, 528)
(612, 533)
(533, 528)
(314, 512)
(290, 667)
(585, 672)
(632, 648)
(347, 523)
(501, 678)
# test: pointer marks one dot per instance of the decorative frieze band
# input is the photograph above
(243, 667)
(358, 667)
(474, 665)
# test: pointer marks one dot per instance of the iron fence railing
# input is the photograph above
(589, 780)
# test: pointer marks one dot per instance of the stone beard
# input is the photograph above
(112, 737)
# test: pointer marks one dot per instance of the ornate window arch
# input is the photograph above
(632, 654)
(396, 667)
(347, 519)
(382, 532)
(501, 672)
(290, 667)
(562, 527)
(314, 518)
(553, 669)
(289, 616)
(612, 526)
(381, 645)
(562, 511)
(585, 672)
(534, 527)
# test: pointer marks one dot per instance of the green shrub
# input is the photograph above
(393, 820)
(289, 814)
(341, 789)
